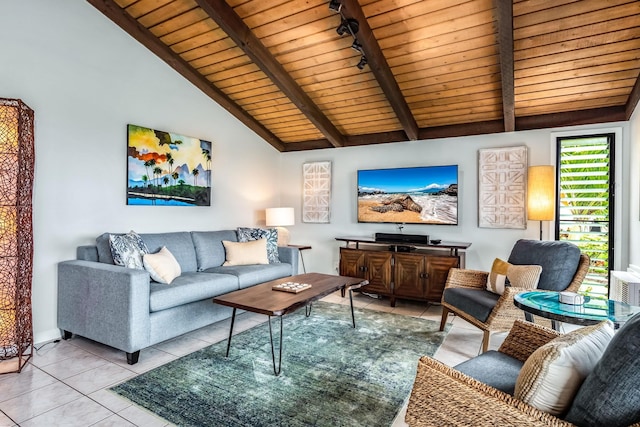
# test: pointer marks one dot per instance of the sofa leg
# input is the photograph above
(445, 314)
(66, 335)
(132, 358)
(485, 341)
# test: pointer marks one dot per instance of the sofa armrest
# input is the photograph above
(443, 396)
(105, 303)
(290, 256)
(461, 278)
(524, 338)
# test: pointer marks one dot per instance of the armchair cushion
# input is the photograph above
(559, 261)
(475, 302)
(483, 369)
(610, 395)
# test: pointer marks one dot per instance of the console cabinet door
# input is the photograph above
(352, 263)
(437, 269)
(378, 272)
(410, 276)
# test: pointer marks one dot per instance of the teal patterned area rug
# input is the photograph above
(332, 374)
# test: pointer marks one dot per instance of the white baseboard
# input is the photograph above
(46, 336)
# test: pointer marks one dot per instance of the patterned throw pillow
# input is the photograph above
(127, 250)
(246, 234)
(498, 276)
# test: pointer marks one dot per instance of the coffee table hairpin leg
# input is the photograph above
(273, 353)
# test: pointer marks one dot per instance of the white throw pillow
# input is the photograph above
(162, 266)
(552, 375)
(246, 253)
(524, 276)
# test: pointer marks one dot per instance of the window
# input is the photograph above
(585, 204)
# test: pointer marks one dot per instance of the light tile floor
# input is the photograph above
(66, 382)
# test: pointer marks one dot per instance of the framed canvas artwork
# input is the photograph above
(167, 169)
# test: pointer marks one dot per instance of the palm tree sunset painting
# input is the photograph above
(167, 169)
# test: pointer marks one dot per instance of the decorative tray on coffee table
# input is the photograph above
(292, 287)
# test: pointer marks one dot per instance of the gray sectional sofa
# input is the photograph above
(121, 307)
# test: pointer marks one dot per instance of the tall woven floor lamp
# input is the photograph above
(16, 234)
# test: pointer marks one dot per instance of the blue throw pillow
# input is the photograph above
(610, 395)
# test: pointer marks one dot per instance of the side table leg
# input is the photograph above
(273, 353)
(555, 325)
(233, 319)
(528, 317)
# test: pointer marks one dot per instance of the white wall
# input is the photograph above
(86, 79)
(487, 244)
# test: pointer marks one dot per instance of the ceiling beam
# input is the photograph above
(634, 97)
(112, 11)
(380, 68)
(572, 118)
(504, 16)
(241, 34)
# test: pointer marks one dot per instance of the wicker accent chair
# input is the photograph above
(563, 269)
(445, 396)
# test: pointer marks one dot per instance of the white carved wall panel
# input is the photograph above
(316, 192)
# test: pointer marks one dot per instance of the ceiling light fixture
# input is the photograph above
(335, 5)
(362, 63)
(351, 26)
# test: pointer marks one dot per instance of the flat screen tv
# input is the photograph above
(414, 195)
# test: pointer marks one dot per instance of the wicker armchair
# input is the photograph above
(443, 396)
(504, 312)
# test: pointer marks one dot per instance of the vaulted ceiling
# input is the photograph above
(435, 68)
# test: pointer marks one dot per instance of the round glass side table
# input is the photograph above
(546, 304)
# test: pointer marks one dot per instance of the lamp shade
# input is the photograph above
(279, 217)
(541, 190)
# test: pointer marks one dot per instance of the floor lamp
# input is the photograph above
(16, 234)
(541, 190)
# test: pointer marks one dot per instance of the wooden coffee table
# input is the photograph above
(264, 300)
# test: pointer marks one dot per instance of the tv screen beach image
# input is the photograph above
(417, 195)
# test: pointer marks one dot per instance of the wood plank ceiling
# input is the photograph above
(435, 68)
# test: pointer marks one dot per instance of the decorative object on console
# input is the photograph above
(279, 218)
(316, 192)
(16, 234)
(502, 181)
(541, 190)
(167, 169)
(414, 195)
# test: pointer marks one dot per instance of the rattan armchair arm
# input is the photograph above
(461, 278)
(442, 396)
(524, 338)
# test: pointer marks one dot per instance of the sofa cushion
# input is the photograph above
(475, 302)
(208, 245)
(552, 375)
(610, 395)
(190, 287)
(245, 253)
(494, 369)
(271, 234)
(104, 249)
(249, 275)
(179, 244)
(559, 261)
(127, 250)
(162, 266)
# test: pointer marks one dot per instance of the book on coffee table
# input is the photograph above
(293, 287)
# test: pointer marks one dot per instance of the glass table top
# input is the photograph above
(546, 304)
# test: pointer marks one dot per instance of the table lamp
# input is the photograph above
(279, 218)
(541, 189)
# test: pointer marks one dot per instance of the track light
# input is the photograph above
(357, 46)
(335, 5)
(348, 25)
(362, 63)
